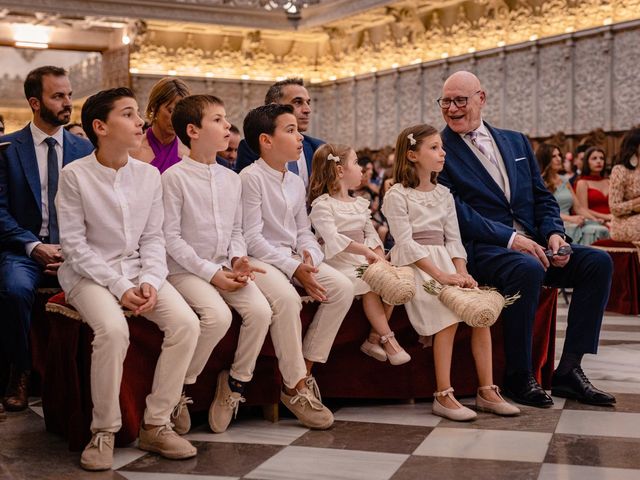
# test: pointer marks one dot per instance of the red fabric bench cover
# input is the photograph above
(348, 373)
(625, 285)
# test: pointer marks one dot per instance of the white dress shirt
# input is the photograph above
(302, 169)
(275, 221)
(202, 218)
(499, 173)
(111, 225)
(42, 152)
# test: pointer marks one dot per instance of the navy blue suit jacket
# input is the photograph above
(484, 213)
(20, 202)
(246, 156)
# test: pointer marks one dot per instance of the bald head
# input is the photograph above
(466, 97)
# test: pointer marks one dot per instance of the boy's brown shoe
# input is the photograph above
(225, 404)
(309, 410)
(166, 442)
(98, 454)
(180, 416)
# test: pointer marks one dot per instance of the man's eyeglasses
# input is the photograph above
(459, 102)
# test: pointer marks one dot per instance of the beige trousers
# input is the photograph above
(215, 318)
(102, 312)
(286, 330)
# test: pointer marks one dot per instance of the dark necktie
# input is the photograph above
(52, 189)
(293, 167)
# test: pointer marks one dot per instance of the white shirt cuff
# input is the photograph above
(513, 236)
(29, 247)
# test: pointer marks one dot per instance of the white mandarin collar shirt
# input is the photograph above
(203, 218)
(111, 225)
(42, 152)
(275, 221)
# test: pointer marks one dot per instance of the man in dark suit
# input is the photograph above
(29, 243)
(513, 234)
(288, 92)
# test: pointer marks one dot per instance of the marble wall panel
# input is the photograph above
(409, 99)
(387, 110)
(365, 112)
(626, 86)
(520, 95)
(554, 88)
(592, 66)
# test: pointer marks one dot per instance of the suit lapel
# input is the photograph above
(307, 148)
(507, 157)
(460, 149)
(27, 156)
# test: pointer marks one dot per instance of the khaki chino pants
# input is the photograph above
(102, 312)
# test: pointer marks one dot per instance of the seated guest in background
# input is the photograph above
(592, 187)
(160, 145)
(567, 166)
(29, 242)
(2, 128)
(624, 192)
(578, 162)
(207, 255)
(227, 158)
(288, 92)
(279, 236)
(582, 226)
(76, 129)
(514, 235)
(110, 212)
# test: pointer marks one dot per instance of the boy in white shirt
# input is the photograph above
(110, 216)
(278, 234)
(207, 254)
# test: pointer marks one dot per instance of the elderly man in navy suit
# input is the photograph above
(29, 243)
(515, 241)
(288, 92)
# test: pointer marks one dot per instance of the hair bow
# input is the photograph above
(333, 157)
(412, 141)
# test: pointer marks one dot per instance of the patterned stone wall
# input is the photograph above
(573, 83)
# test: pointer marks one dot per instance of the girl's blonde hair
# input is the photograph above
(324, 172)
(404, 171)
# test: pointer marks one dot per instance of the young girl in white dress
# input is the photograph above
(423, 222)
(344, 229)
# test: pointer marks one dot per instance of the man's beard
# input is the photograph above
(51, 118)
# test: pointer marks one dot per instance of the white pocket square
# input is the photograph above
(520, 159)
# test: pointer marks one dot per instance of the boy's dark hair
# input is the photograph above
(262, 120)
(33, 82)
(69, 126)
(234, 129)
(582, 148)
(275, 92)
(190, 110)
(98, 107)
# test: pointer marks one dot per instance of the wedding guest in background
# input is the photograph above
(76, 129)
(227, 158)
(160, 146)
(624, 191)
(592, 187)
(581, 225)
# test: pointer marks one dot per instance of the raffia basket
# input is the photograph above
(477, 307)
(395, 285)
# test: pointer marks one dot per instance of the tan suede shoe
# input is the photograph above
(98, 454)
(166, 442)
(180, 416)
(308, 409)
(225, 404)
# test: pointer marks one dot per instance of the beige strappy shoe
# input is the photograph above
(503, 408)
(401, 356)
(460, 414)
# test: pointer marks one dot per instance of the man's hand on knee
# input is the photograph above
(526, 245)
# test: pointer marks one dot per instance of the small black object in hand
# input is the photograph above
(562, 251)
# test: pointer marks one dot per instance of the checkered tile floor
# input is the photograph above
(402, 441)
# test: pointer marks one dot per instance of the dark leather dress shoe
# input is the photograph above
(523, 388)
(576, 385)
(16, 396)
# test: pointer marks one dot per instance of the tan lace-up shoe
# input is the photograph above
(98, 454)
(308, 409)
(180, 416)
(225, 404)
(166, 442)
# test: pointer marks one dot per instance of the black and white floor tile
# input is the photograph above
(390, 441)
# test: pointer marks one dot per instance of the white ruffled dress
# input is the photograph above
(408, 212)
(330, 217)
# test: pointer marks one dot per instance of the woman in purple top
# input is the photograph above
(160, 145)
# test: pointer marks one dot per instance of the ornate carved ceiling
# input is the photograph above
(333, 39)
